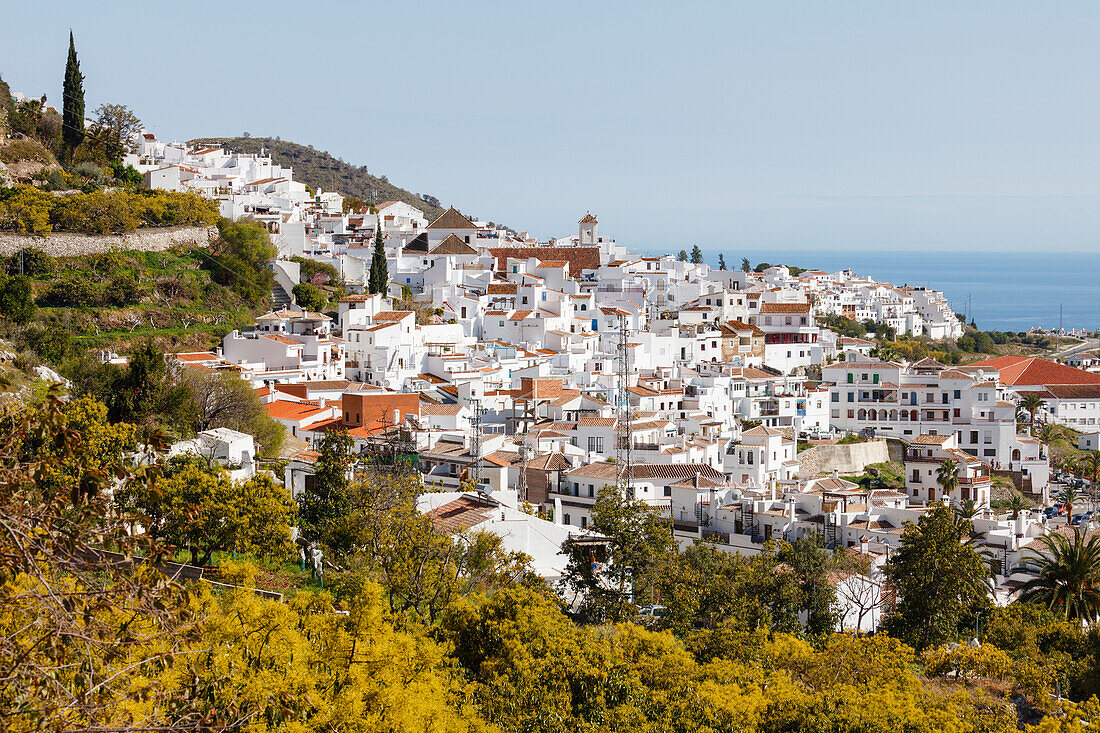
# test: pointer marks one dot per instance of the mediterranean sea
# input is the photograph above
(1007, 291)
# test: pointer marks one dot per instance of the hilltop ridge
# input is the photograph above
(319, 169)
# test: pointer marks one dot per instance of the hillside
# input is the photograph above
(320, 170)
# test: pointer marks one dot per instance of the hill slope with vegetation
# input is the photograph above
(320, 170)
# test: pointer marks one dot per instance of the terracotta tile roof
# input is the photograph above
(784, 307)
(452, 245)
(391, 316)
(459, 515)
(595, 422)
(1033, 371)
(698, 481)
(762, 430)
(549, 462)
(644, 471)
(518, 315)
(440, 409)
(281, 339)
(452, 219)
(287, 410)
(502, 289)
(588, 219)
(1074, 391)
(579, 258)
(930, 440)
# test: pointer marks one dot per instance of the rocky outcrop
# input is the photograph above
(63, 244)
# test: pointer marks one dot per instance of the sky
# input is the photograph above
(800, 125)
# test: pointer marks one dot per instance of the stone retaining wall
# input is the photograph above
(65, 244)
(848, 460)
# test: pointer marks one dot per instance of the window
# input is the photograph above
(584, 522)
(973, 436)
(668, 491)
(875, 380)
(591, 490)
(565, 518)
(851, 396)
(835, 397)
(851, 414)
(750, 457)
(851, 377)
(958, 394)
(502, 324)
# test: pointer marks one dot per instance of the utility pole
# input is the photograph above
(624, 441)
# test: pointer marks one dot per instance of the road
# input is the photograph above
(1085, 345)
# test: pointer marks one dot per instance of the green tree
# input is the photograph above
(1016, 504)
(310, 297)
(947, 476)
(199, 508)
(682, 256)
(746, 266)
(811, 565)
(240, 259)
(379, 278)
(1067, 575)
(1032, 403)
(941, 580)
(143, 392)
(324, 506)
(224, 400)
(696, 255)
(638, 539)
(113, 131)
(72, 124)
(721, 261)
(17, 299)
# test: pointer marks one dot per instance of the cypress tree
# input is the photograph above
(72, 121)
(379, 270)
(696, 255)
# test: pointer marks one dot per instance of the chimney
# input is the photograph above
(557, 511)
(836, 473)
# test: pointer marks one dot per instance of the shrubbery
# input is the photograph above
(27, 210)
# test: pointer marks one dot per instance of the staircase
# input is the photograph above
(280, 298)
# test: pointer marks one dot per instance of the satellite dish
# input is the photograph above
(980, 373)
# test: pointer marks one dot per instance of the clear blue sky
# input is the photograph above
(802, 125)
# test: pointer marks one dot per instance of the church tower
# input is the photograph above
(588, 232)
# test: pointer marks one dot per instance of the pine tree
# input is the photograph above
(696, 255)
(379, 270)
(72, 121)
(683, 256)
(746, 266)
(721, 262)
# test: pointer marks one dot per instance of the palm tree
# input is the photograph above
(1049, 433)
(947, 476)
(1032, 402)
(1071, 497)
(1067, 575)
(1016, 505)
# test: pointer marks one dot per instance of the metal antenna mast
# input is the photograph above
(524, 454)
(475, 441)
(624, 441)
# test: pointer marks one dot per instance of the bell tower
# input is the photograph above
(588, 233)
